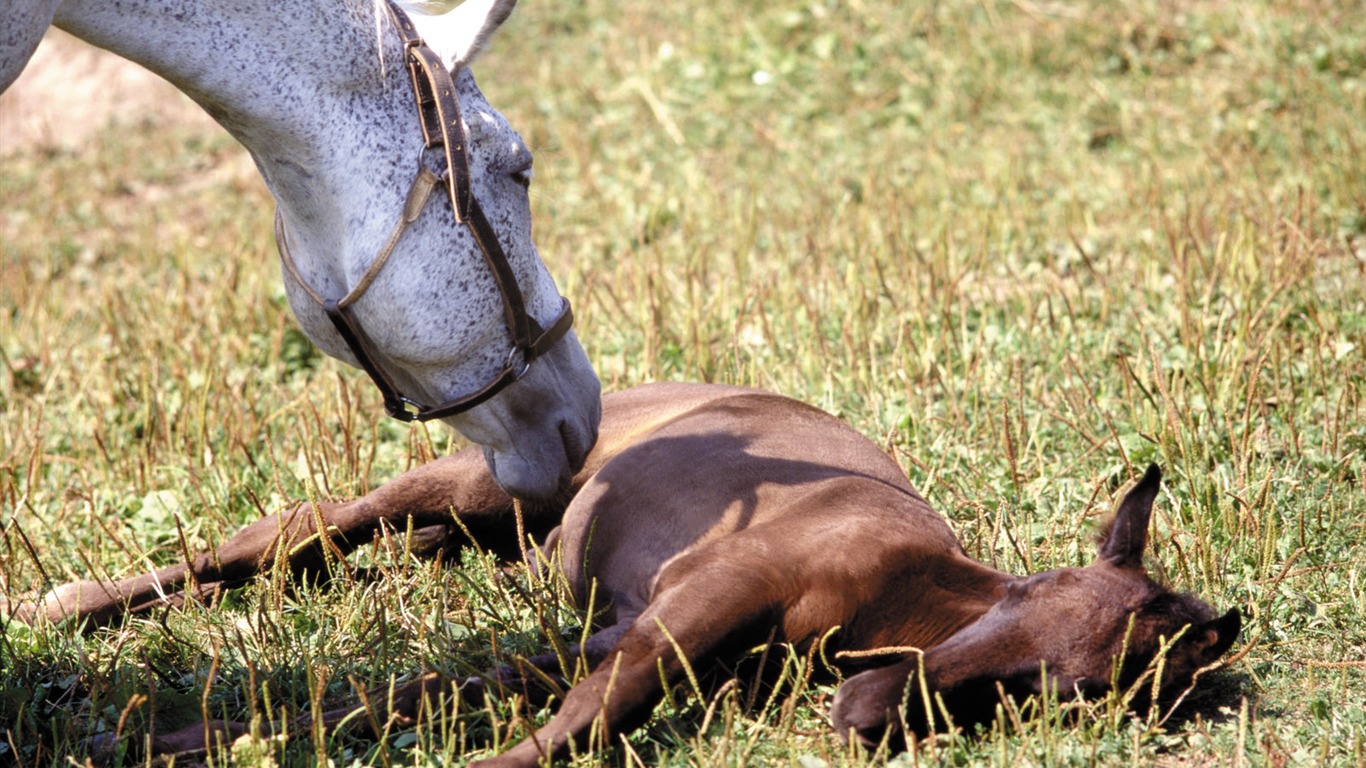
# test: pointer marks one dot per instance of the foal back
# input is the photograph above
(702, 463)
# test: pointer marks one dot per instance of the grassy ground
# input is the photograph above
(1028, 246)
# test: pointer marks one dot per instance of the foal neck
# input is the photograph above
(934, 598)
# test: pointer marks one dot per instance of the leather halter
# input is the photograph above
(439, 110)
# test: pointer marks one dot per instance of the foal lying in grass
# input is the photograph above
(710, 520)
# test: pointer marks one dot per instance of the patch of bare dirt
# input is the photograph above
(71, 91)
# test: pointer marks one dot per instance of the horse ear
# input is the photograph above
(461, 34)
(1129, 533)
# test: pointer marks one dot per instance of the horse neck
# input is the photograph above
(312, 88)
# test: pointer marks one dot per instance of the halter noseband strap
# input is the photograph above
(439, 110)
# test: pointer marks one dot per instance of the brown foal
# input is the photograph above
(710, 520)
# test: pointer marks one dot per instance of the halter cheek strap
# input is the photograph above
(442, 127)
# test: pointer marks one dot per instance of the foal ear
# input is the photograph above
(1129, 533)
(461, 34)
(1216, 636)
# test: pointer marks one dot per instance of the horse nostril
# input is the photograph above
(574, 451)
(577, 444)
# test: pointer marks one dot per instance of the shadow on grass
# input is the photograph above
(1217, 699)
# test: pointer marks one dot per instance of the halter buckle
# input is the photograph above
(403, 409)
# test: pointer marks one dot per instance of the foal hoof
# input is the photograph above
(864, 709)
(196, 740)
(91, 602)
(201, 737)
(21, 611)
(55, 607)
(430, 693)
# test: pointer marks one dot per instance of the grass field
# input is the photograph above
(1027, 246)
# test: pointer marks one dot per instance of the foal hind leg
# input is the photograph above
(456, 487)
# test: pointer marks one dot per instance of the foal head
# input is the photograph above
(1078, 631)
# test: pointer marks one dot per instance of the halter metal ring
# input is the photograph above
(526, 362)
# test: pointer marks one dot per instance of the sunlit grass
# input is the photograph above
(1028, 247)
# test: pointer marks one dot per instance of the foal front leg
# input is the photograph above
(457, 486)
(720, 607)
